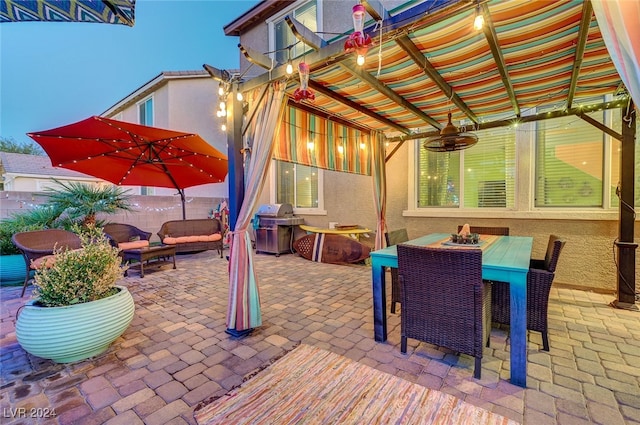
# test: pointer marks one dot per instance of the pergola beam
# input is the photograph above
(492, 38)
(355, 106)
(257, 58)
(304, 34)
(614, 104)
(585, 24)
(421, 60)
(386, 91)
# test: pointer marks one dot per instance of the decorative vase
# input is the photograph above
(12, 270)
(76, 332)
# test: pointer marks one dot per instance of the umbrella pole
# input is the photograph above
(184, 212)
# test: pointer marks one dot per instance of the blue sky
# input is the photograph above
(52, 74)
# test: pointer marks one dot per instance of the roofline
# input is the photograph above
(151, 86)
(256, 15)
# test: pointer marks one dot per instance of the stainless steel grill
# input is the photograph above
(274, 231)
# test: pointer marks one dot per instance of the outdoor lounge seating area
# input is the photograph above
(176, 354)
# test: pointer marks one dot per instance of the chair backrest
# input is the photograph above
(444, 278)
(396, 236)
(41, 242)
(554, 247)
(121, 232)
(501, 231)
(441, 290)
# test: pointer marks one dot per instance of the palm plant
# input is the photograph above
(81, 202)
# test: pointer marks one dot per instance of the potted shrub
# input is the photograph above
(78, 309)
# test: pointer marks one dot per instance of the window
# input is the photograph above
(570, 163)
(482, 176)
(145, 117)
(307, 15)
(297, 185)
(145, 112)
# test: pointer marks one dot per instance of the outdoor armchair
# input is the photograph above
(539, 280)
(445, 302)
(37, 247)
(126, 236)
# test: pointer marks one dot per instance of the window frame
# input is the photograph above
(153, 110)
(320, 210)
(273, 20)
(524, 207)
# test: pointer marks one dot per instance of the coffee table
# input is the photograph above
(144, 255)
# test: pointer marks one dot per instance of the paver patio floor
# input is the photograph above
(176, 354)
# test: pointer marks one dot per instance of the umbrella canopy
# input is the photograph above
(105, 11)
(132, 154)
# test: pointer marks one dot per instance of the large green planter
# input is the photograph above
(76, 332)
(12, 269)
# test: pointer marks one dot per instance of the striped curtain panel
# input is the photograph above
(310, 140)
(243, 310)
(379, 180)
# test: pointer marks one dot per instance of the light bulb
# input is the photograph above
(289, 68)
(220, 91)
(360, 60)
(223, 113)
(239, 97)
(478, 22)
(223, 127)
(362, 146)
(341, 149)
(223, 106)
(218, 113)
(310, 146)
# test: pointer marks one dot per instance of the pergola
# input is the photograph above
(428, 61)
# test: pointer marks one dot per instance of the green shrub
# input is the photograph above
(81, 275)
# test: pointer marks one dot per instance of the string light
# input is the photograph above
(478, 22)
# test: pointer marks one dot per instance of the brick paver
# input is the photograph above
(176, 354)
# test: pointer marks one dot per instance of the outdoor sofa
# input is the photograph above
(192, 235)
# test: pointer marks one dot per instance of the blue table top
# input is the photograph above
(506, 253)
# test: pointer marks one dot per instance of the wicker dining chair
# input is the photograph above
(501, 231)
(38, 246)
(394, 238)
(539, 280)
(445, 302)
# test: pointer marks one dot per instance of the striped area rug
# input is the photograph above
(314, 386)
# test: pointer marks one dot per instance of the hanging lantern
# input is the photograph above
(303, 93)
(358, 41)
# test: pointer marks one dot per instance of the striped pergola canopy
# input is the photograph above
(428, 60)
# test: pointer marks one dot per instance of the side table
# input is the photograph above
(143, 255)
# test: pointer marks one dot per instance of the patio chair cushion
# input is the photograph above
(133, 245)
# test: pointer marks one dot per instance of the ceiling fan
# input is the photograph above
(450, 139)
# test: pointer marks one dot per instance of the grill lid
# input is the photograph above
(275, 210)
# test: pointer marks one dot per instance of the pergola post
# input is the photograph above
(626, 254)
(235, 155)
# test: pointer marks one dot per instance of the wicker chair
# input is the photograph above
(501, 231)
(444, 299)
(126, 236)
(539, 280)
(394, 238)
(38, 246)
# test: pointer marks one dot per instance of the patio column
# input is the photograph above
(234, 154)
(625, 244)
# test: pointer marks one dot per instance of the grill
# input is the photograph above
(274, 231)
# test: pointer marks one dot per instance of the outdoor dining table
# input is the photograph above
(506, 260)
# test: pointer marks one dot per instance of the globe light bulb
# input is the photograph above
(289, 68)
(360, 60)
(223, 127)
(239, 97)
(478, 22)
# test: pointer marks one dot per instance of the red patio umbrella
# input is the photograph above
(134, 155)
